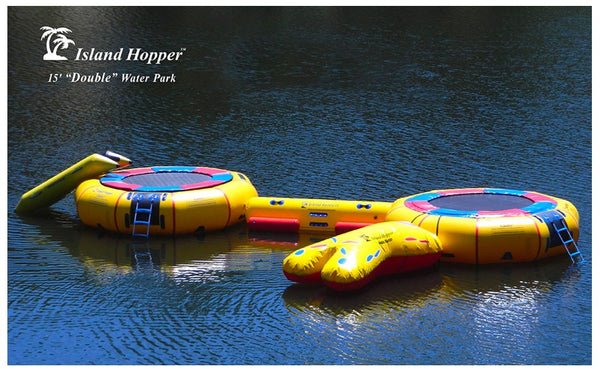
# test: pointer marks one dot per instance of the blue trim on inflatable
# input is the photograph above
(225, 177)
(173, 169)
(425, 196)
(453, 213)
(112, 177)
(503, 191)
(536, 207)
(158, 189)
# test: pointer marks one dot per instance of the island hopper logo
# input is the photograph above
(55, 40)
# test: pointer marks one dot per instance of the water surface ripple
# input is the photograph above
(341, 103)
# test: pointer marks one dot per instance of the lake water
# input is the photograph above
(336, 103)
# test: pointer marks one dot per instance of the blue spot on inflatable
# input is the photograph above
(369, 258)
(342, 261)
(377, 253)
(299, 252)
(343, 250)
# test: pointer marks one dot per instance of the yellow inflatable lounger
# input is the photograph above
(57, 187)
(491, 225)
(353, 259)
(294, 215)
(164, 200)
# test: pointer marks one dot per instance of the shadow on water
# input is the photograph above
(446, 281)
(188, 279)
(95, 247)
(404, 289)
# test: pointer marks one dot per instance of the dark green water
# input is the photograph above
(346, 103)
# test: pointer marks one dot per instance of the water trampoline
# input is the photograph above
(489, 225)
(474, 225)
(164, 200)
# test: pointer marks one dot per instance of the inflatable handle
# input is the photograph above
(123, 161)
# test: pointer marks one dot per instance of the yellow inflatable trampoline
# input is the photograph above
(351, 260)
(489, 225)
(164, 200)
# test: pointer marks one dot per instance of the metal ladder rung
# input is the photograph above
(146, 211)
(568, 240)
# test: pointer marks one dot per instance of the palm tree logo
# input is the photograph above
(60, 41)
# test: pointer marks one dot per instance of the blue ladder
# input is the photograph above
(142, 217)
(568, 242)
(142, 255)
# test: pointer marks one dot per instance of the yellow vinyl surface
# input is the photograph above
(314, 214)
(347, 261)
(514, 235)
(57, 187)
(181, 212)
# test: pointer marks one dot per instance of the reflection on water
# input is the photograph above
(338, 103)
(499, 326)
(192, 284)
